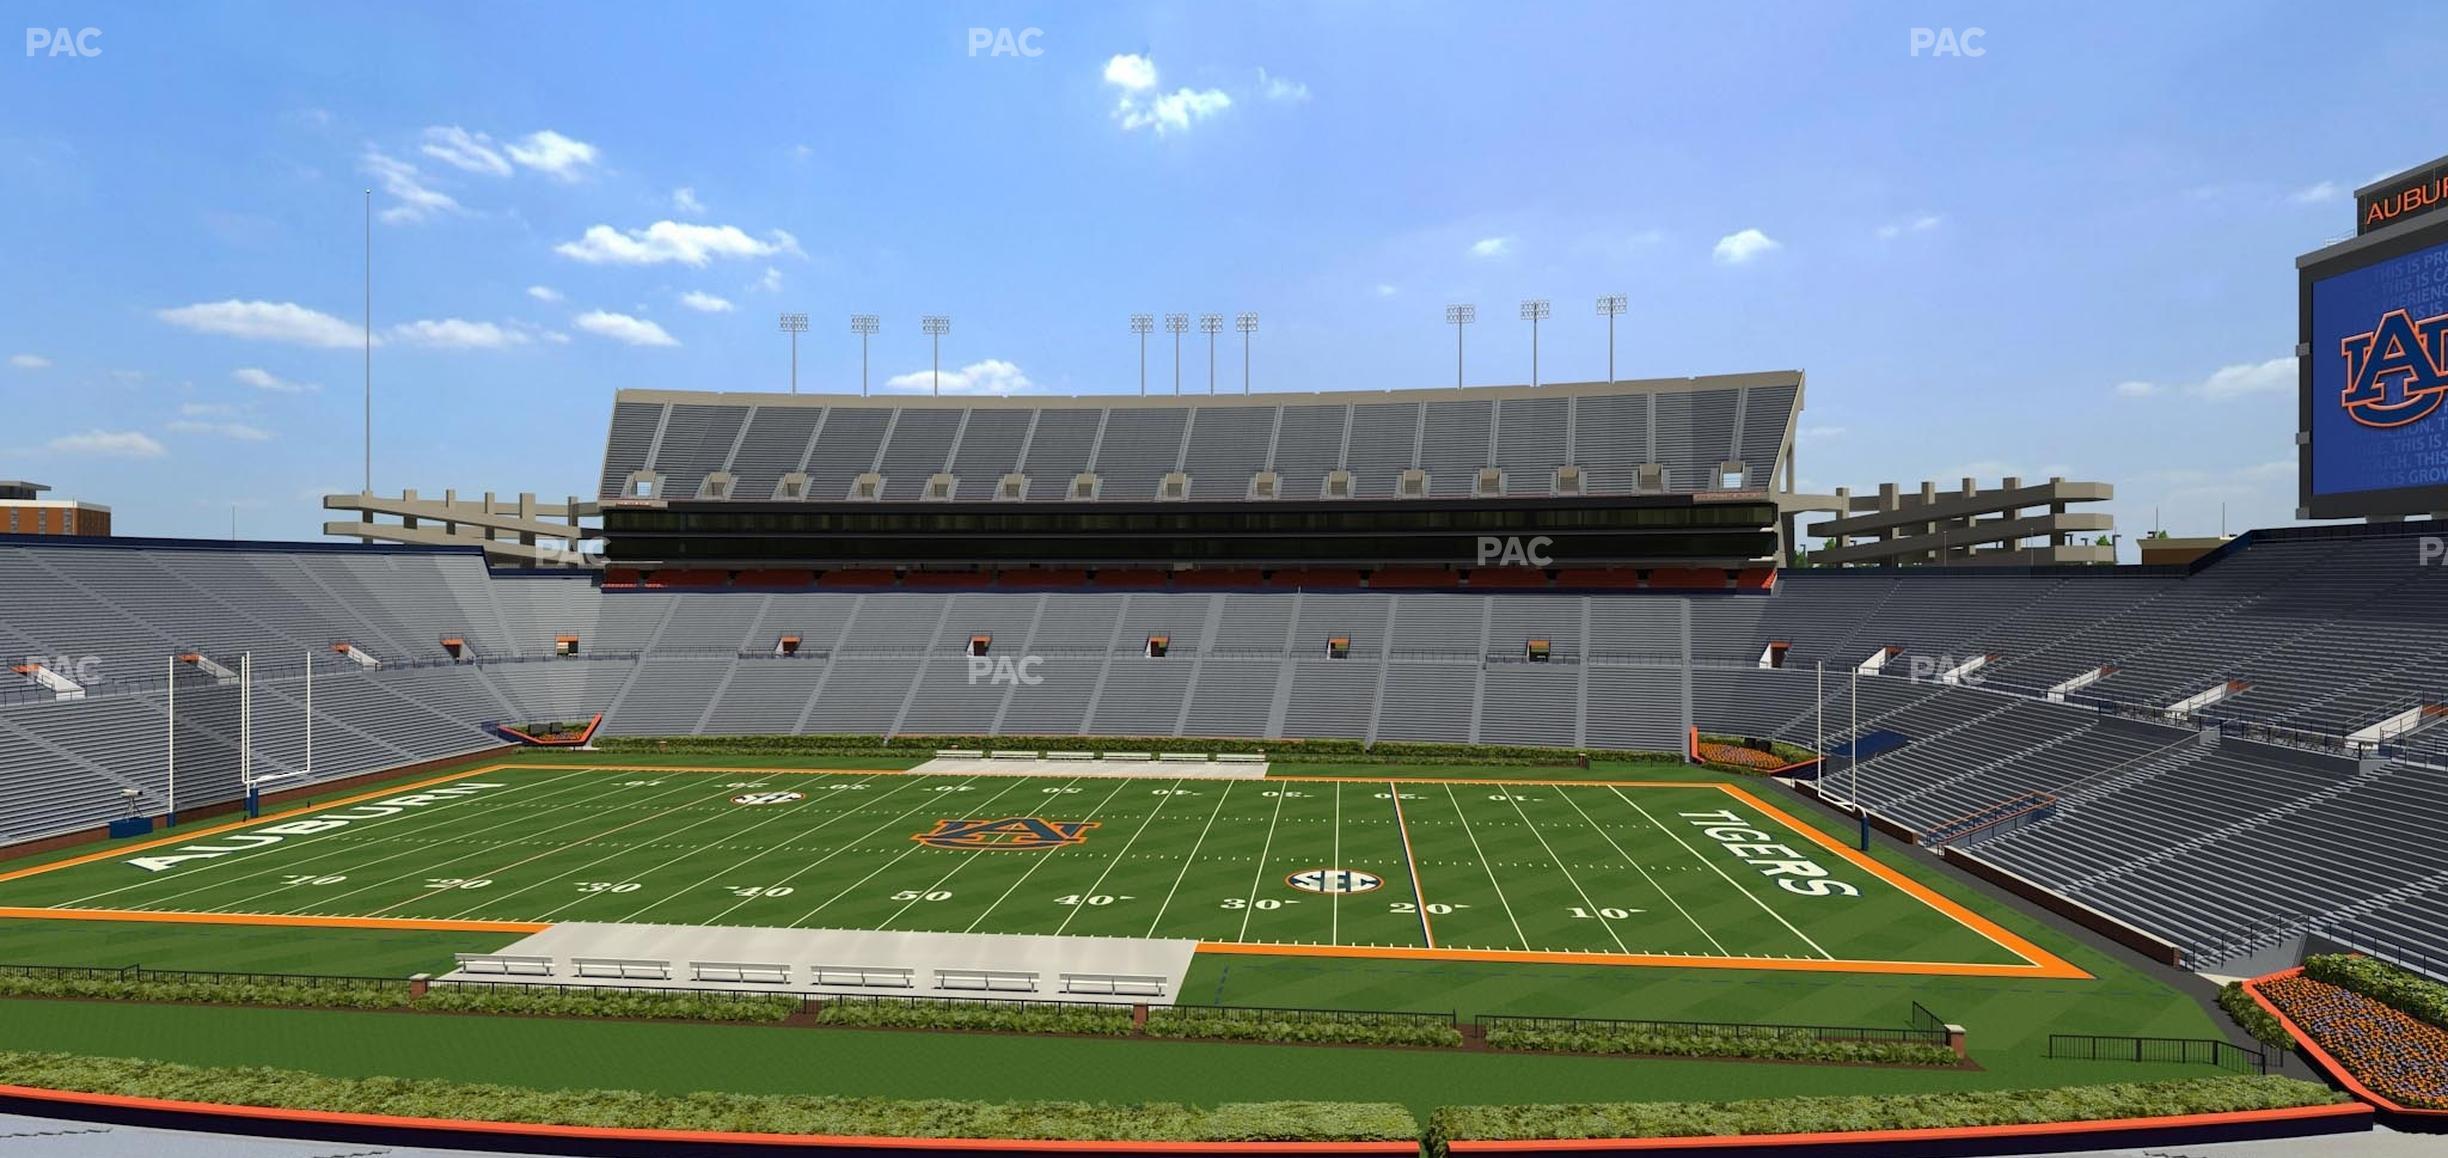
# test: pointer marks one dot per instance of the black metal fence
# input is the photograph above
(1926, 1028)
(2185, 1050)
(137, 973)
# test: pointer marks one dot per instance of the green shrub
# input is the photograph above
(1709, 1041)
(336, 993)
(2255, 1020)
(1000, 1017)
(749, 1113)
(1293, 751)
(1895, 1112)
(1227, 1024)
(608, 1003)
(2413, 996)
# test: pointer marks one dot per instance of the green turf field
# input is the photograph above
(1624, 870)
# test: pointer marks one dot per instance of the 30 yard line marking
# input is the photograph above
(1250, 908)
(1713, 867)
(1653, 881)
(429, 894)
(913, 848)
(1520, 938)
(835, 851)
(1419, 896)
(1192, 859)
(854, 809)
(1099, 884)
(1589, 905)
(772, 814)
(1048, 854)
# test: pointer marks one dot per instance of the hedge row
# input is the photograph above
(2405, 992)
(1218, 1023)
(1897, 1112)
(1304, 751)
(337, 993)
(536, 1001)
(2255, 1020)
(1659, 1041)
(1001, 1017)
(746, 1113)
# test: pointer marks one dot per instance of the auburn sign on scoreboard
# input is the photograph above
(2373, 358)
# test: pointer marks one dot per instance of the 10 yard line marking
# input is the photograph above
(1192, 859)
(1419, 896)
(1653, 881)
(1116, 862)
(1569, 878)
(1521, 938)
(1250, 908)
(1678, 839)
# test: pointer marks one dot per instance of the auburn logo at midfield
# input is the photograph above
(2396, 372)
(1015, 832)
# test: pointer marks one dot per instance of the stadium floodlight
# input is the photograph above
(865, 326)
(1534, 311)
(1611, 307)
(935, 326)
(1211, 325)
(794, 325)
(1459, 316)
(1143, 325)
(1176, 325)
(1247, 323)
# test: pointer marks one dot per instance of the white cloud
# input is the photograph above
(266, 321)
(546, 151)
(29, 361)
(623, 328)
(207, 410)
(1131, 72)
(1737, 248)
(2227, 383)
(992, 376)
(684, 200)
(1819, 433)
(666, 241)
(770, 283)
(2315, 193)
(1491, 247)
(704, 302)
(109, 444)
(266, 380)
(543, 293)
(457, 334)
(416, 201)
(2136, 389)
(1920, 224)
(237, 431)
(1281, 88)
(1386, 289)
(462, 149)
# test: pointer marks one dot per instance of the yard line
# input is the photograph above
(972, 858)
(1016, 781)
(1653, 881)
(1221, 797)
(579, 843)
(1696, 855)
(1119, 784)
(1250, 908)
(1522, 939)
(735, 866)
(836, 850)
(1110, 865)
(1419, 896)
(1590, 906)
(354, 828)
(774, 813)
(1334, 901)
(506, 822)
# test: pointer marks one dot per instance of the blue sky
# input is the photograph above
(2071, 254)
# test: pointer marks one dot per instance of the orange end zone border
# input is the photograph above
(2040, 962)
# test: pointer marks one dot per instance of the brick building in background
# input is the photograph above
(23, 511)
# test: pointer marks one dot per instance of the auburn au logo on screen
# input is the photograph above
(2396, 372)
(1010, 833)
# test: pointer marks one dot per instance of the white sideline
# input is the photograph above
(1070, 765)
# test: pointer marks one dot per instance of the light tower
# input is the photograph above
(1176, 324)
(1459, 316)
(1143, 325)
(794, 325)
(935, 327)
(1611, 307)
(1534, 311)
(865, 326)
(1211, 325)
(1247, 323)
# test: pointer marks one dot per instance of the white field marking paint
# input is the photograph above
(1677, 837)
(911, 850)
(966, 861)
(1334, 904)
(1645, 875)
(1119, 784)
(266, 835)
(1098, 886)
(496, 873)
(1759, 848)
(1192, 859)
(1250, 909)
(1604, 921)
(217, 880)
(356, 869)
(857, 806)
(770, 815)
(1520, 938)
(925, 803)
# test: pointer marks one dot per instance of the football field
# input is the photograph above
(1494, 869)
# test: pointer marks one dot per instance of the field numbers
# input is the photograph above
(1262, 904)
(312, 880)
(457, 882)
(1395, 795)
(607, 886)
(1287, 795)
(1095, 900)
(751, 892)
(1172, 792)
(1610, 914)
(1435, 908)
(639, 783)
(923, 895)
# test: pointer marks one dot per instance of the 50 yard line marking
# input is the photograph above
(1419, 896)
(1048, 854)
(835, 851)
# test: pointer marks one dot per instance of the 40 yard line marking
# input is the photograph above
(854, 809)
(835, 851)
(772, 814)
(1192, 859)
(429, 894)
(1039, 863)
(1099, 884)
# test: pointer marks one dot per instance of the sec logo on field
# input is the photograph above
(1335, 881)
(769, 797)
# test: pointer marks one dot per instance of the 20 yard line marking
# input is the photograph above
(1520, 938)
(429, 894)
(1192, 859)
(1695, 853)
(772, 814)
(1116, 862)
(1419, 896)
(854, 809)
(1250, 908)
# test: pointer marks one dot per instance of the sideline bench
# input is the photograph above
(986, 980)
(622, 968)
(1240, 757)
(863, 976)
(741, 971)
(960, 754)
(1117, 984)
(504, 965)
